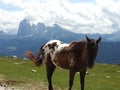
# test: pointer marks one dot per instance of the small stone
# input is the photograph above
(108, 77)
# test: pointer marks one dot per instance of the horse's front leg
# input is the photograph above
(50, 69)
(82, 78)
(71, 78)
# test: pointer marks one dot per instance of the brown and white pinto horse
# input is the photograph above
(76, 57)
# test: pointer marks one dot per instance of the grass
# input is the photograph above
(22, 73)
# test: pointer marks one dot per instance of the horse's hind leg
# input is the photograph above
(50, 69)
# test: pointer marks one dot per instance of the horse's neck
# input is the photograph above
(84, 53)
(80, 49)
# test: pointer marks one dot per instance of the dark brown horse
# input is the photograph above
(76, 57)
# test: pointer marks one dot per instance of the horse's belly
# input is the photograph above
(63, 61)
(60, 62)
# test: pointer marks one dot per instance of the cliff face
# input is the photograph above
(24, 28)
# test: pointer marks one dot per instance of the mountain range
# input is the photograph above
(31, 37)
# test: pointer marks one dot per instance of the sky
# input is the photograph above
(79, 16)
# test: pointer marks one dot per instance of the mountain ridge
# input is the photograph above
(32, 37)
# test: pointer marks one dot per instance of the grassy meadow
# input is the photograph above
(23, 75)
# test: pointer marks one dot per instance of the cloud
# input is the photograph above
(100, 16)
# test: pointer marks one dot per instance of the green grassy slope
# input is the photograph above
(23, 73)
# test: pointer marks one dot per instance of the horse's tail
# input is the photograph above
(37, 61)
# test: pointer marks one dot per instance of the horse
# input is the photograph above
(76, 56)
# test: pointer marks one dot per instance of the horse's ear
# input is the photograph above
(87, 38)
(99, 39)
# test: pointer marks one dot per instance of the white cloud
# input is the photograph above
(101, 16)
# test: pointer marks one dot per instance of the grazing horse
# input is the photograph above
(76, 57)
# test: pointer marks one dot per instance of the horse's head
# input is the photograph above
(92, 47)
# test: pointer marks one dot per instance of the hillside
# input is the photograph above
(109, 52)
(23, 75)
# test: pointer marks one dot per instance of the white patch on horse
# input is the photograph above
(71, 62)
(52, 41)
(55, 62)
(41, 56)
(52, 52)
(46, 50)
(58, 49)
(61, 46)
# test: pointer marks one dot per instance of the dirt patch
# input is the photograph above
(38, 86)
(13, 82)
(10, 84)
(21, 85)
